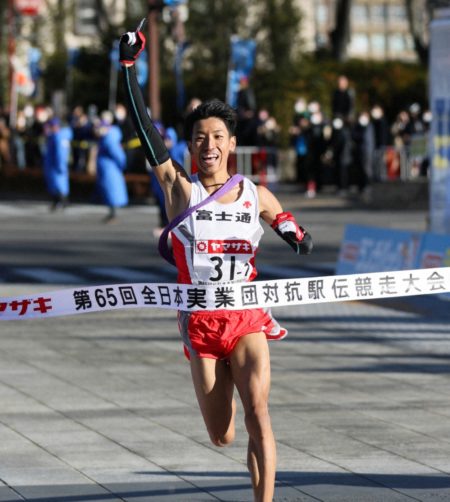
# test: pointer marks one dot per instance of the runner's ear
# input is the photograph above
(232, 143)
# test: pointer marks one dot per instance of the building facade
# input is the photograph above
(379, 29)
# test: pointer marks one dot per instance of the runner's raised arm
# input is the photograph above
(171, 176)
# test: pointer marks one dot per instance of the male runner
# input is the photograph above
(216, 245)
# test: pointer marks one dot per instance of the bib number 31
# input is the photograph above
(229, 270)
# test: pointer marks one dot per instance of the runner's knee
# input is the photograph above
(221, 439)
(257, 420)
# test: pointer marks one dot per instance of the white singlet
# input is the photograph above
(217, 243)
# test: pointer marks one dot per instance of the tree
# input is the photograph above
(3, 54)
(340, 35)
(209, 29)
(281, 23)
(419, 14)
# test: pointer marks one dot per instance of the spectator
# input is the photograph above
(192, 105)
(341, 145)
(363, 137)
(111, 162)
(82, 138)
(177, 147)
(416, 150)
(415, 124)
(382, 140)
(300, 109)
(35, 136)
(401, 130)
(247, 114)
(267, 129)
(18, 140)
(5, 147)
(299, 133)
(56, 162)
(316, 150)
(343, 100)
(130, 141)
(380, 127)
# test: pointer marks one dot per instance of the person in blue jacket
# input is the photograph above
(111, 162)
(177, 149)
(56, 162)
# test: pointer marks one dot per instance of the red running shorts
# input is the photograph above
(214, 334)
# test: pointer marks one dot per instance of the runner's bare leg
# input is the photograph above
(214, 388)
(250, 364)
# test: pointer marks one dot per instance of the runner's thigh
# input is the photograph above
(250, 364)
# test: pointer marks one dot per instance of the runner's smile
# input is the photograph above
(212, 144)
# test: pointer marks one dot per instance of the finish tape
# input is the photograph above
(232, 296)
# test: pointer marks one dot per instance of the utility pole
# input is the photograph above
(154, 9)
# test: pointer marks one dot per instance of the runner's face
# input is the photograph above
(211, 144)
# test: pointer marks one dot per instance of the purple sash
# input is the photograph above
(163, 248)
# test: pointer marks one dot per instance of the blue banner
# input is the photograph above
(435, 251)
(439, 71)
(242, 61)
(372, 249)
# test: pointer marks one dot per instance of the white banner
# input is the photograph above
(257, 294)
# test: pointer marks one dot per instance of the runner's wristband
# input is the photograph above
(287, 228)
(152, 142)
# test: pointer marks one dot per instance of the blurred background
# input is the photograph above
(330, 94)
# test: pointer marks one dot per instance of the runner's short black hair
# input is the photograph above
(211, 108)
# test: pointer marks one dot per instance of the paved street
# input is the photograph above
(100, 407)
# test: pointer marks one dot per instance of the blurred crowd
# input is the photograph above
(99, 143)
(346, 148)
(25, 144)
(343, 148)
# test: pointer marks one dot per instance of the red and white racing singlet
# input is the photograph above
(218, 242)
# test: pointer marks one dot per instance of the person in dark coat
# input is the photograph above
(56, 162)
(343, 100)
(341, 146)
(111, 162)
(363, 137)
(247, 114)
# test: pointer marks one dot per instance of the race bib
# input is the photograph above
(222, 260)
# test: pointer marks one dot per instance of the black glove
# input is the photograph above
(296, 236)
(305, 246)
(131, 44)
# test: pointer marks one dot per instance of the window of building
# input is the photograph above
(397, 43)
(359, 43)
(360, 14)
(322, 13)
(378, 13)
(409, 42)
(396, 13)
(378, 44)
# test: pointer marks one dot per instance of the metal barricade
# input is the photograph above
(401, 163)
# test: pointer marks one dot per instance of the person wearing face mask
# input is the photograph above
(135, 161)
(363, 137)
(382, 140)
(340, 145)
